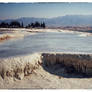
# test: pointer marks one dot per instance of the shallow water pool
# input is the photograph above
(47, 42)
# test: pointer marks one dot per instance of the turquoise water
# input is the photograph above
(47, 42)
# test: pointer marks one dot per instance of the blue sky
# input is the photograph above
(43, 10)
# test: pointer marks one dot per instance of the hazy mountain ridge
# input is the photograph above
(68, 20)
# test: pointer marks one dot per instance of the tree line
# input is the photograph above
(36, 25)
(16, 24)
(12, 24)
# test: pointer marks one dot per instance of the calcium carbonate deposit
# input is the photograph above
(36, 61)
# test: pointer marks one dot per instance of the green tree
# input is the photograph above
(15, 24)
(4, 25)
(37, 24)
(32, 25)
(22, 25)
(43, 25)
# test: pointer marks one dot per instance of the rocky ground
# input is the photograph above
(41, 79)
(29, 72)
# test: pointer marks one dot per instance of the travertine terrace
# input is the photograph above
(17, 66)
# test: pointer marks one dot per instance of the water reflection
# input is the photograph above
(47, 42)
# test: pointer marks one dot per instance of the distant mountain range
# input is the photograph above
(68, 20)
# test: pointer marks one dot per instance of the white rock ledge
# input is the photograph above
(21, 66)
